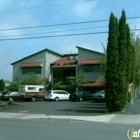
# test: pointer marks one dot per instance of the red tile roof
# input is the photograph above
(90, 61)
(93, 84)
(30, 64)
(65, 62)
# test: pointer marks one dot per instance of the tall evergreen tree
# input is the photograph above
(128, 55)
(130, 70)
(112, 64)
(122, 89)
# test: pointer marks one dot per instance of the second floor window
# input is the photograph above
(36, 70)
(91, 68)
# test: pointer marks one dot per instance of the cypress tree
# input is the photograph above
(112, 64)
(128, 55)
(122, 89)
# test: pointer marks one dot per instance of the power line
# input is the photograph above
(53, 36)
(76, 29)
(61, 24)
(103, 32)
(64, 30)
(59, 4)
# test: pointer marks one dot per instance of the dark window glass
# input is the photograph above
(91, 68)
(36, 70)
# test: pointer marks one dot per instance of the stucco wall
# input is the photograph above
(45, 57)
(84, 55)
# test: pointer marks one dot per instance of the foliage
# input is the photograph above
(122, 67)
(76, 82)
(112, 65)
(103, 61)
(135, 40)
(120, 64)
(33, 79)
(59, 85)
(2, 85)
(13, 86)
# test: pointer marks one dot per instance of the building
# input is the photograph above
(38, 63)
(85, 63)
(46, 62)
(88, 65)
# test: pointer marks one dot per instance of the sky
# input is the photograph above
(29, 26)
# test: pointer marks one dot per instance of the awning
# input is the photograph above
(89, 61)
(64, 66)
(31, 64)
(94, 84)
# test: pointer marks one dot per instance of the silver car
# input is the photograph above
(100, 95)
(57, 95)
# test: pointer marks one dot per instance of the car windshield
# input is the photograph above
(100, 92)
(78, 92)
(8, 93)
(49, 92)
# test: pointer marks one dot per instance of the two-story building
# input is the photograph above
(46, 62)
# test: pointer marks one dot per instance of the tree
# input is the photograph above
(103, 61)
(2, 85)
(59, 85)
(33, 79)
(112, 64)
(76, 82)
(135, 40)
(122, 67)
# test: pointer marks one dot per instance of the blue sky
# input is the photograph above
(32, 13)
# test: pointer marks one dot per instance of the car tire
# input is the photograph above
(33, 99)
(56, 99)
(81, 99)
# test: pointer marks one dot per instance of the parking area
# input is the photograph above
(85, 108)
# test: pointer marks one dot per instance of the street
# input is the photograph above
(85, 108)
(12, 129)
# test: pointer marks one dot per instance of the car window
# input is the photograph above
(49, 92)
(78, 92)
(64, 93)
(56, 92)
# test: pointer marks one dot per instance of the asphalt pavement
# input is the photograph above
(130, 115)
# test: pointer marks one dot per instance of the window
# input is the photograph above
(36, 70)
(31, 88)
(91, 68)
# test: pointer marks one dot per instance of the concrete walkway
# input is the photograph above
(112, 118)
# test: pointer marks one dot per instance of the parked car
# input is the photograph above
(100, 95)
(1, 96)
(13, 95)
(80, 96)
(57, 95)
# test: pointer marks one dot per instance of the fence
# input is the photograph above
(134, 93)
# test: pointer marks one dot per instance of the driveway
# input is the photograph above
(85, 108)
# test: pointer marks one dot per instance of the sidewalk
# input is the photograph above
(112, 118)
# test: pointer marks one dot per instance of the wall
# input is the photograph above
(45, 57)
(84, 54)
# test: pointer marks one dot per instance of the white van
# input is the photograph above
(57, 95)
(32, 92)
